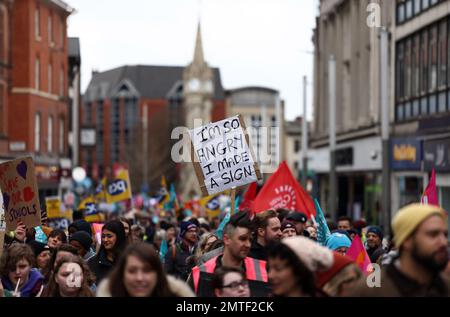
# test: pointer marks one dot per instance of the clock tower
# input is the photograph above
(198, 91)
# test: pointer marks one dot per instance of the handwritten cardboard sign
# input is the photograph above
(53, 205)
(20, 193)
(222, 156)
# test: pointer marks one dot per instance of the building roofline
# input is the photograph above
(239, 89)
(62, 5)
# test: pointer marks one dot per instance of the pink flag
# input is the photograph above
(429, 196)
(358, 253)
(98, 232)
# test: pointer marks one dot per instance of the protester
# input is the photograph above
(338, 242)
(69, 279)
(288, 229)
(82, 241)
(312, 232)
(56, 238)
(205, 243)
(299, 219)
(127, 227)
(42, 253)
(293, 263)
(339, 280)
(230, 282)
(175, 262)
(171, 234)
(344, 223)
(61, 251)
(139, 273)
(160, 236)
(137, 233)
(237, 243)
(80, 225)
(267, 228)
(420, 234)
(282, 214)
(374, 241)
(17, 274)
(112, 244)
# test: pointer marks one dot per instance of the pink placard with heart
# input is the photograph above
(20, 193)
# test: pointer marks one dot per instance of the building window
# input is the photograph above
(37, 23)
(400, 12)
(407, 73)
(425, 4)
(50, 78)
(433, 59)
(37, 74)
(296, 146)
(424, 62)
(50, 134)
(37, 132)
(424, 106)
(61, 135)
(442, 102)
(409, 9)
(417, 7)
(400, 73)
(63, 31)
(415, 66)
(50, 29)
(442, 56)
(61, 82)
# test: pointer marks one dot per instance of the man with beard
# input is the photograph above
(267, 229)
(237, 242)
(375, 243)
(420, 234)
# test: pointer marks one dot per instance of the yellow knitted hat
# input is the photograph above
(410, 217)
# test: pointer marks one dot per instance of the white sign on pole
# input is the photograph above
(222, 156)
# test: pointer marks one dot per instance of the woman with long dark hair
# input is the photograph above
(139, 273)
(293, 263)
(113, 243)
(69, 279)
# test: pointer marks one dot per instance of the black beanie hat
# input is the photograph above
(83, 238)
(82, 225)
(38, 247)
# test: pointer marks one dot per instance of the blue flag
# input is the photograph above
(219, 231)
(323, 232)
(163, 250)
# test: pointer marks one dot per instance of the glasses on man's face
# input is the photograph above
(236, 285)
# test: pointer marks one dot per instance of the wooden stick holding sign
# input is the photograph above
(233, 200)
(222, 156)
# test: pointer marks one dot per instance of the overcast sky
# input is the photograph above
(253, 42)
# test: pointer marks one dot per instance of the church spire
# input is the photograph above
(198, 53)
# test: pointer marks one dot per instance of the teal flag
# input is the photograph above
(323, 232)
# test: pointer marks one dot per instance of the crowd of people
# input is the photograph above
(275, 253)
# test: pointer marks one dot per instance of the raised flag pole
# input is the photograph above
(233, 200)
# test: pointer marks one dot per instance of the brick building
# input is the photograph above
(38, 106)
(5, 72)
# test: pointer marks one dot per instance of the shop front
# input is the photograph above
(407, 177)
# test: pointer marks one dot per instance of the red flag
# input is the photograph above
(429, 196)
(283, 191)
(249, 197)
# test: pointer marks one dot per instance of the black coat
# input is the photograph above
(100, 265)
(175, 261)
(257, 251)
